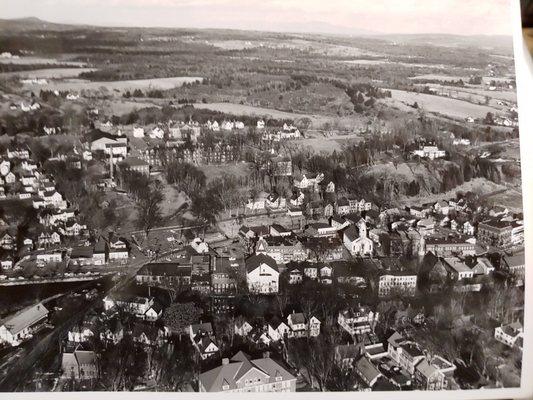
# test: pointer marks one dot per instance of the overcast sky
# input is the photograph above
(337, 16)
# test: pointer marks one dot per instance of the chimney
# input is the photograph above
(266, 354)
(225, 361)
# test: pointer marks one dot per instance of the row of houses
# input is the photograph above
(296, 325)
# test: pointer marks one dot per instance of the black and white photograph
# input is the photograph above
(262, 196)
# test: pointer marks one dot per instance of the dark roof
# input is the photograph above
(351, 233)
(343, 201)
(447, 240)
(151, 331)
(297, 318)
(347, 268)
(134, 162)
(256, 260)
(96, 134)
(205, 327)
(495, 223)
(165, 269)
(412, 350)
(82, 252)
(100, 246)
(279, 228)
(222, 265)
(261, 230)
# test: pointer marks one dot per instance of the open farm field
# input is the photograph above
(508, 95)
(39, 61)
(242, 109)
(451, 107)
(48, 73)
(120, 86)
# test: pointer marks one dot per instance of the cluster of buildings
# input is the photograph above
(287, 132)
(22, 180)
(397, 363)
(454, 236)
(199, 268)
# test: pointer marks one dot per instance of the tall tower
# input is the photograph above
(362, 228)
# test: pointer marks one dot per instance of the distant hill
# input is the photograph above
(33, 23)
(436, 39)
(313, 27)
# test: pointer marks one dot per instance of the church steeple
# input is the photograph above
(361, 225)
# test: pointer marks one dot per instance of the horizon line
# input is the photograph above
(346, 34)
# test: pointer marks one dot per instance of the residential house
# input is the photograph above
(346, 354)
(483, 266)
(296, 274)
(135, 164)
(275, 202)
(426, 226)
(367, 371)
(203, 340)
(84, 331)
(113, 331)
(431, 152)
(118, 250)
(257, 203)
(243, 328)
(148, 334)
(429, 376)
(135, 305)
(289, 132)
(511, 334)
(342, 206)
(305, 183)
(328, 210)
(442, 207)
(515, 264)
(358, 321)
(279, 230)
(81, 255)
(278, 330)
(468, 228)
(405, 353)
(100, 252)
(7, 241)
(457, 269)
(301, 327)
(73, 228)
